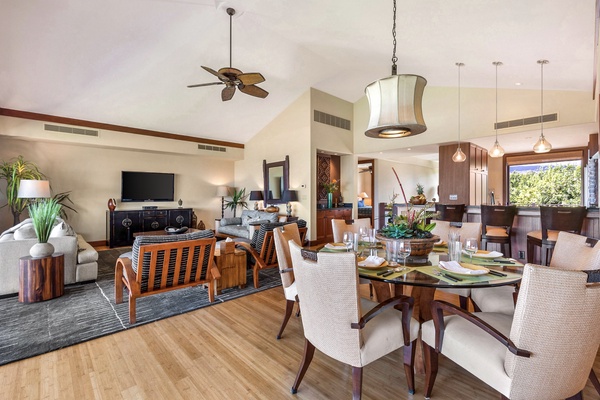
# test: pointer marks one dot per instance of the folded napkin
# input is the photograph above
(485, 254)
(336, 246)
(454, 266)
(371, 261)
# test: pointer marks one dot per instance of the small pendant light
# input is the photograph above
(542, 145)
(459, 156)
(496, 150)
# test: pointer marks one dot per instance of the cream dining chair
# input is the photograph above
(282, 236)
(544, 352)
(339, 323)
(339, 226)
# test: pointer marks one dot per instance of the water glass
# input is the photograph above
(391, 252)
(403, 250)
(454, 250)
(348, 240)
(471, 246)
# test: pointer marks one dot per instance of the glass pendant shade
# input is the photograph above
(496, 150)
(395, 106)
(542, 145)
(459, 156)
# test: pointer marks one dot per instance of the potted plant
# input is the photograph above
(413, 226)
(13, 171)
(43, 217)
(238, 199)
(331, 187)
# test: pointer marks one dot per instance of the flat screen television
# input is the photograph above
(147, 186)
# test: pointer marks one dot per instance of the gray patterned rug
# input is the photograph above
(88, 311)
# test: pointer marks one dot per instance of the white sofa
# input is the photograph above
(81, 260)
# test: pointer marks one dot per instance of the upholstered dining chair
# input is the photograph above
(450, 212)
(339, 323)
(496, 226)
(553, 220)
(545, 351)
(282, 235)
(339, 226)
(466, 230)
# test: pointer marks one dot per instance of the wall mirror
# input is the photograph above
(276, 179)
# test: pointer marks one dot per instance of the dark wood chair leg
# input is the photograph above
(357, 374)
(594, 380)
(530, 248)
(464, 302)
(409, 366)
(309, 352)
(578, 396)
(289, 307)
(431, 368)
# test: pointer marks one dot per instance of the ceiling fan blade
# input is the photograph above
(206, 84)
(251, 78)
(227, 93)
(254, 91)
(215, 73)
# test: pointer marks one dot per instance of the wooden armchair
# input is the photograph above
(163, 263)
(262, 247)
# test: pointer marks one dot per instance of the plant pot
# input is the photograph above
(418, 247)
(41, 250)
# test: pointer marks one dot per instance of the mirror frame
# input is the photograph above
(286, 171)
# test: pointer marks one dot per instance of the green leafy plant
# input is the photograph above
(413, 224)
(64, 200)
(332, 186)
(238, 199)
(13, 171)
(43, 217)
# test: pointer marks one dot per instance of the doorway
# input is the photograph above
(366, 189)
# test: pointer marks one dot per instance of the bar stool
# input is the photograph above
(553, 220)
(450, 212)
(496, 227)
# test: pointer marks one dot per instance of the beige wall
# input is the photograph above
(495, 181)
(92, 172)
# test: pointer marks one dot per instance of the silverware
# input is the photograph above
(492, 272)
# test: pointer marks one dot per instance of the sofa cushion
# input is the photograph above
(25, 232)
(86, 253)
(7, 237)
(230, 221)
(253, 216)
(235, 230)
(62, 229)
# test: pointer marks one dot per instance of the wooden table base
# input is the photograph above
(41, 278)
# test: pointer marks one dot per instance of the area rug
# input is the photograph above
(87, 311)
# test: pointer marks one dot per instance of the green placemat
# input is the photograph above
(429, 270)
(373, 272)
(489, 262)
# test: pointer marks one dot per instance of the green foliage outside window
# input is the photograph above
(551, 184)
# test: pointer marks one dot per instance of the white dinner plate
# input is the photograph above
(485, 254)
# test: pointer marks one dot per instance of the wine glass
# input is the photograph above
(471, 246)
(404, 250)
(348, 240)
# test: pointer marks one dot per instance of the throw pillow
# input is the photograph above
(25, 232)
(62, 229)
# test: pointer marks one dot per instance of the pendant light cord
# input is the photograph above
(394, 58)
(459, 64)
(542, 99)
(230, 40)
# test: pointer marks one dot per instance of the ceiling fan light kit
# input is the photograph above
(233, 78)
(395, 102)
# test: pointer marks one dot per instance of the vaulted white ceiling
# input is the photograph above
(129, 62)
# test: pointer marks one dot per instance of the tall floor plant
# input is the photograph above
(13, 171)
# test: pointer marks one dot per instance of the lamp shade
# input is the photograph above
(395, 106)
(222, 191)
(256, 195)
(33, 189)
(363, 195)
(290, 195)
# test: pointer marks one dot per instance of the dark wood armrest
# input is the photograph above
(438, 308)
(402, 303)
(261, 263)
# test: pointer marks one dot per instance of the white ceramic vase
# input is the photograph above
(40, 250)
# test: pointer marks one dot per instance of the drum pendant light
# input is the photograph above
(395, 102)
(542, 145)
(496, 150)
(459, 156)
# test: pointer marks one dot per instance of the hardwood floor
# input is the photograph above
(226, 351)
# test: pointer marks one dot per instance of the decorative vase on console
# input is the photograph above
(329, 200)
(331, 187)
(112, 204)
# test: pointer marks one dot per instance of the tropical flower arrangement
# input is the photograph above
(413, 224)
(332, 186)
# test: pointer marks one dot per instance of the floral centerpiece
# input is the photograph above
(411, 225)
(331, 187)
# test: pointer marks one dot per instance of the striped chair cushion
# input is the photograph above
(145, 240)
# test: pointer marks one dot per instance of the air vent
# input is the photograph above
(68, 129)
(332, 120)
(526, 121)
(212, 148)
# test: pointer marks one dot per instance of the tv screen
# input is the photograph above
(147, 186)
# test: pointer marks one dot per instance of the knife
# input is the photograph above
(503, 261)
(492, 272)
(452, 278)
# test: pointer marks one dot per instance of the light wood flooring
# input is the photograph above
(227, 351)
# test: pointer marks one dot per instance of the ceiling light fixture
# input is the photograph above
(395, 102)
(497, 150)
(542, 145)
(459, 156)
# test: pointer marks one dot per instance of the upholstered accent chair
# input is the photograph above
(163, 263)
(546, 351)
(339, 226)
(262, 246)
(282, 235)
(345, 327)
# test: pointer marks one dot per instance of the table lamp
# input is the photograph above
(257, 196)
(33, 189)
(222, 192)
(289, 196)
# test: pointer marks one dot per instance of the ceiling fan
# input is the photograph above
(233, 77)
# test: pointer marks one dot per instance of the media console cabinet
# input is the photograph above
(122, 224)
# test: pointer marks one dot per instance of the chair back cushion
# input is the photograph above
(156, 276)
(556, 319)
(573, 252)
(340, 226)
(282, 235)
